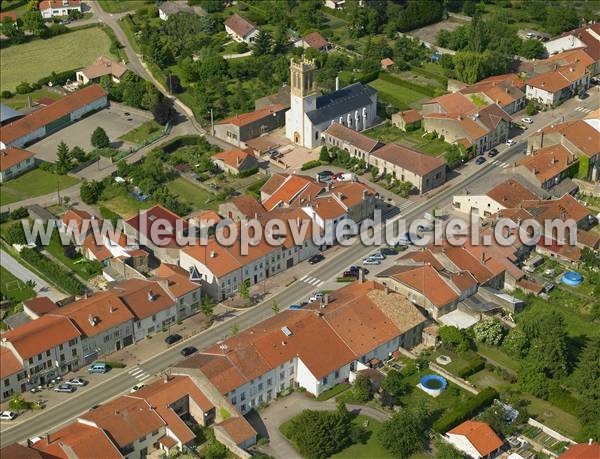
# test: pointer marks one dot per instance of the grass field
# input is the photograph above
(193, 195)
(20, 101)
(411, 139)
(120, 6)
(33, 183)
(14, 288)
(142, 132)
(20, 6)
(126, 205)
(39, 58)
(400, 97)
(372, 448)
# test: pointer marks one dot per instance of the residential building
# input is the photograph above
(238, 129)
(13, 377)
(45, 348)
(356, 144)
(286, 351)
(104, 321)
(310, 114)
(186, 294)
(13, 162)
(580, 137)
(38, 306)
(560, 77)
(507, 194)
(408, 120)
(456, 117)
(235, 161)
(19, 451)
(586, 38)
(241, 207)
(8, 14)
(54, 8)
(240, 29)
(424, 172)
(335, 4)
(548, 166)
(103, 66)
(8, 114)
(582, 450)
(387, 63)
(54, 117)
(169, 8)
(476, 439)
(314, 40)
(507, 91)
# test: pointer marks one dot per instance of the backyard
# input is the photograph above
(142, 132)
(13, 288)
(372, 448)
(413, 139)
(39, 58)
(193, 195)
(120, 6)
(36, 182)
(21, 101)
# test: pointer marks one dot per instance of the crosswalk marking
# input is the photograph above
(137, 371)
(142, 376)
(303, 277)
(583, 109)
(145, 377)
(312, 281)
(502, 164)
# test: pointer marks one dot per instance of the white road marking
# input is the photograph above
(135, 371)
(303, 277)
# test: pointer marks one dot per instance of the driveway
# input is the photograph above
(267, 421)
(21, 272)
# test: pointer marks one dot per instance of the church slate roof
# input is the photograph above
(331, 106)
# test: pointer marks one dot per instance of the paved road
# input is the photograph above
(21, 272)
(55, 416)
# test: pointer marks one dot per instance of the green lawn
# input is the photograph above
(195, 196)
(20, 101)
(14, 288)
(400, 97)
(120, 6)
(79, 265)
(20, 6)
(142, 132)
(553, 417)
(498, 355)
(126, 205)
(371, 449)
(36, 182)
(412, 139)
(486, 378)
(39, 58)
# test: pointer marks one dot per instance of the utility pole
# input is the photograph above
(212, 123)
(58, 191)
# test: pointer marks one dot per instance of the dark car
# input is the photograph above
(356, 269)
(188, 351)
(171, 339)
(325, 174)
(350, 274)
(388, 251)
(493, 152)
(480, 160)
(315, 259)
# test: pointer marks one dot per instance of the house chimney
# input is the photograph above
(213, 254)
(325, 300)
(166, 378)
(361, 276)
(386, 289)
(111, 309)
(483, 257)
(47, 437)
(337, 83)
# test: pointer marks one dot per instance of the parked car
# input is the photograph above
(350, 274)
(480, 160)
(137, 387)
(493, 152)
(315, 297)
(527, 120)
(388, 251)
(530, 35)
(377, 256)
(404, 240)
(188, 351)
(98, 367)
(511, 142)
(356, 269)
(172, 339)
(371, 261)
(8, 415)
(295, 307)
(64, 388)
(76, 382)
(315, 259)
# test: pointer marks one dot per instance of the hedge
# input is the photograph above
(465, 410)
(474, 366)
(59, 276)
(178, 142)
(248, 172)
(367, 78)
(425, 90)
(311, 164)
(58, 78)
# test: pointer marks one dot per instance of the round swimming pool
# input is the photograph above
(433, 384)
(572, 278)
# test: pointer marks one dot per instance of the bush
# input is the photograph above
(311, 165)
(429, 91)
(115, 364)
(465, 410)
(57, 275)
(248, 172)
(24, 88)
(473, 367)
(6, 94)
(58, 78)
(19, 213)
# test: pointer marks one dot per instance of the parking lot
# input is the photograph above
(116, 120)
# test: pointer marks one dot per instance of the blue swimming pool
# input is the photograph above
(434, 382)
(572, 278)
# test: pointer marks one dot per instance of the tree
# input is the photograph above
(489, 331)
(263, 43)
(70, 251)
(586, 377)
(12, 30)
(63, 159)
(207, 306)
(444, 450)
(394, 384)
(560, 19)
(33, 21)
(532, 49)
(18, 403)
(245, 289)
(78, 153)
(164, 112)
(173, 84)
(516, 343)
(275, 307)
(403, 435)
(362, 389)
(14, 234)
(19, 213)
(90, 191)
(454, 338)
(531, 110)
(99, 138)
(324, 154)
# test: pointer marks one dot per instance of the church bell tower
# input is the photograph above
(303, 99)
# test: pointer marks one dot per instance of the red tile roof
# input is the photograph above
(12, 156)
(46, 115)
(360, 141)
(18, 451)
(239, 25)
(40, 305)
(410, 116)
(9, 365)
(589, 450)
(579, 133)
(8, 14)
(408, 159)
(177, 279)
(315, 40)
(144, 298)
(238, 429)
(104, 66)
(547, 163)
(510, 193)
(251, 117)
(154, 214)
(41, 334)
(247, 205)
(48, 4)
(294, 188)
(480, 435)
(235, 158)
(453, 103)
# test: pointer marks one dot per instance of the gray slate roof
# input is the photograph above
(7, 113)
(333, 105)
(171, 7)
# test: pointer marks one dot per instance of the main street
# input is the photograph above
(53, 417)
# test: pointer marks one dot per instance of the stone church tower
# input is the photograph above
(303, 100)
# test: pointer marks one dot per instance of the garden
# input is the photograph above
(36, 182)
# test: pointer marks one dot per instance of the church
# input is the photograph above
(354, 106)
